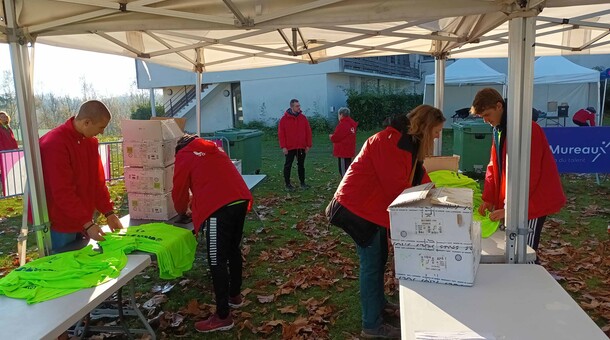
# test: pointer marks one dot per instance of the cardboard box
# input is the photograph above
(442, 163)
(151, 207)
(150, 130)
(434, 237)
(180, 121)
(237, 163)
(149, 180)
(149, 153)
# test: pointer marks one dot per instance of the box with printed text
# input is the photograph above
(149, 180)
(434, 236)
(151, 207)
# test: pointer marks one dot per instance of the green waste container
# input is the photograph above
(472, 141)
(244, 144)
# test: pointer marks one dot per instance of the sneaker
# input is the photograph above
(289, 187)
(382, 332)
(304, 186)
(214, 323)
(236, 301)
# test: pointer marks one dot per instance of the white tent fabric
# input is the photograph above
(463, 79)
(216, 35)
(469, 71)
(558, 80)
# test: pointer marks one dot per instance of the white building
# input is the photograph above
(232, 97)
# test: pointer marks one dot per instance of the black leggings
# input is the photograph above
(343, 165)
(224, 230)
(580, 123)
(300, 155)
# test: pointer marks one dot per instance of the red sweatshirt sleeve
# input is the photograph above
(308, 134)
(489, 188)
(592, 119)
(538, 143)
(58, 179)
(103, 203)
(341, 131)
(180, 191)
(393, 172)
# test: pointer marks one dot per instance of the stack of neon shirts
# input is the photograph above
(65, 273)
(452, 179)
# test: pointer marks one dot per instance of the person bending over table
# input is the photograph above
(545, 191)
(220, 202)
(74, 179)
(389, 162)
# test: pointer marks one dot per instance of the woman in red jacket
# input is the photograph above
(7, 138)
(545, 191)
(219, 203)
(344, 140)
(389, 162)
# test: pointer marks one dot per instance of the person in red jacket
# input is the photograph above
(545, 191)
(344, 140)
(7, 138)
(294, 135)
(389, 162)
(74, 179)
(220, 201)
(585, 117)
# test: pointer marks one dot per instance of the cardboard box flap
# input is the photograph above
(412, 194)
(436, 163)
(453, 197)
(152, 130)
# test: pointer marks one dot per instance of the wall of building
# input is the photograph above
(216, 112)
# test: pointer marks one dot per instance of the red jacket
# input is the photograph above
(73, 178)
(211, 177)
(7, 138)
(294, 132)
(344, 138)
(379, 173)
(545, 191)
(583, 116)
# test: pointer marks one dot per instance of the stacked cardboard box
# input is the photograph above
(434, 236)
(148, 156)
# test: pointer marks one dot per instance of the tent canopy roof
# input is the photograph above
(559, 70)
(469, 71)
(219, 35)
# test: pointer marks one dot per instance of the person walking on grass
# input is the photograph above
(220, 201)
(545, 191)
(344, 140)
(389, 162)
(294, 134)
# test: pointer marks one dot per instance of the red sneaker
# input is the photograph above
(214, 323)
(236, 301)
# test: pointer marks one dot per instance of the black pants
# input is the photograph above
(300, 154)
(343, 165)
(224, 230)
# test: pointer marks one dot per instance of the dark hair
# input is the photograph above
(292, 101)
(184, 141)
(485, 99)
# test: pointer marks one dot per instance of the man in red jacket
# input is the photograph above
(294, 135)
(585, 117)
(545, 191)
(74, 179)
(344, 140)
(219, 203)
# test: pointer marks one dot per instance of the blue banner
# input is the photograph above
(580, 149)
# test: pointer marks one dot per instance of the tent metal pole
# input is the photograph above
(521, 77)
(603, 106)
(153, 108)
(199, 71)
(22, 76)
(439, 94)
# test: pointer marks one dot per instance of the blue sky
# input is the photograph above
(60, 70)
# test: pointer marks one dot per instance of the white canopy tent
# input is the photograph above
(214, 35)
(558, 80)
(463, 79)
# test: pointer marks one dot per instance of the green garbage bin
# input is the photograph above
(244, 144)
(472, 141)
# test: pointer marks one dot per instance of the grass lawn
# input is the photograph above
(300, 274)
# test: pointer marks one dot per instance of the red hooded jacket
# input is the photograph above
(545, 193)
(73, 178)
(379, 173)
(211, 177)
(584, 116)
(294, 132)
(7, 138)
(344, 138)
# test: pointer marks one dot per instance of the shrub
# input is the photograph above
(370, 109)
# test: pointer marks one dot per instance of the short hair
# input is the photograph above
(485, 99)
(344, 111)
(591, 109)
(93, 110)
(292, 101)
